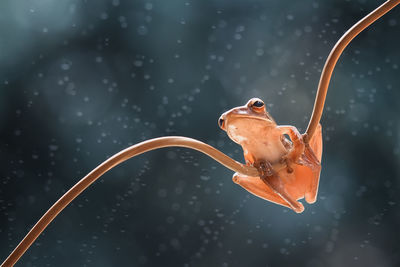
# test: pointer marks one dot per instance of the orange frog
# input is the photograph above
(289, 168)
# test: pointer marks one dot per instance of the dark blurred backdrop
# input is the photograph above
(81, 80)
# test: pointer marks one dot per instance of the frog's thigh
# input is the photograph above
(316, 142)
(314, 156)
(307, 179)
(311, 195)
(258, 188)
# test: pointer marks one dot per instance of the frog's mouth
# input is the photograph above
(247, 121)
(223, 121)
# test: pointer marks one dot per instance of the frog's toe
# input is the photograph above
(310, 197)
(235, 178)
(289, 163)
(298, 208)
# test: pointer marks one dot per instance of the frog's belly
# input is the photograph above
(271, 152)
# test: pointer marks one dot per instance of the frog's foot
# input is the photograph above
(265, 168)
(258, 188)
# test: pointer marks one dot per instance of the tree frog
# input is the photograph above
(289, 168)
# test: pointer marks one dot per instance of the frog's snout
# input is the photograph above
(221, 122)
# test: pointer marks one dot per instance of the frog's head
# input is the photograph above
(248, 122)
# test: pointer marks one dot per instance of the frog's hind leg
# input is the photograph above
(275, 183)
(258, 188)
(313, 155)
(316, 142)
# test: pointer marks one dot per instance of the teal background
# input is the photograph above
(82, 80)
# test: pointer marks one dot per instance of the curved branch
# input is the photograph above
(333, 58)
(78, 188)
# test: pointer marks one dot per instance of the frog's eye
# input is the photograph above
(258, 104)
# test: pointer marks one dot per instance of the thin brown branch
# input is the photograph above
(333, 58)
(78, 188)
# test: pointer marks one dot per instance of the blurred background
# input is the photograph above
(81, 80)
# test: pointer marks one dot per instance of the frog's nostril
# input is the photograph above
(221, 122)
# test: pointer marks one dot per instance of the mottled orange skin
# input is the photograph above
(264, 143)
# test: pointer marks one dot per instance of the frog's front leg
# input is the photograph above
(248, 157)
(298, 145)
(258, 188)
